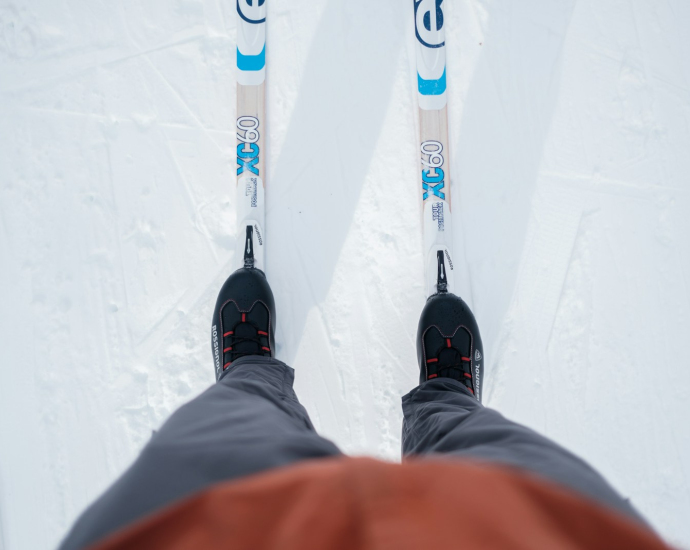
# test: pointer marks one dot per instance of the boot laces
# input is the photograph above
(450, 364)
(237, 341)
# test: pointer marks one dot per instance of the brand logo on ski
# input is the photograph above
(249, 248)
(251, 189)
(437, 215)
(258, 234)
(477, 355)
(428, 19)
(248, 150)
(252, 11)
(432, 176)
(441, 279)
(450, 262)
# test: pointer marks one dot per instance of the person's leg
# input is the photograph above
(441, 417)
(248, 422)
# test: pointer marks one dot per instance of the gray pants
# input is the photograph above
(251, 421)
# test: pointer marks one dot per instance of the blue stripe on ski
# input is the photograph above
(254, 62)
(432, 87)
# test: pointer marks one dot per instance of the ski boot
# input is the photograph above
(449, 344)
(244, 319)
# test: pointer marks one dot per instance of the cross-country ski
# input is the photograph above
(434, 148)
(448, 339)
(251, 127)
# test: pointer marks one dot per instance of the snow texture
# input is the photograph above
(570, 135)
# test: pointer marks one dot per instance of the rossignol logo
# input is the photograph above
(477, 374)
(251, 189)
(450, 262)
(428, 20)
(478, 381)
(216, 350)
(437, 215)
(248, 149)
(252, 11)
(432, 173)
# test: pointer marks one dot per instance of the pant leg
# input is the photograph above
(248, 422)
(441, 417)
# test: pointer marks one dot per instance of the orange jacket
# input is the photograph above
(364, 504)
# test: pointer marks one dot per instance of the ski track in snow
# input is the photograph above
(570, 132)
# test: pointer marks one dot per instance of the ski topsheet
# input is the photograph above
(251, 127)
(433, 145)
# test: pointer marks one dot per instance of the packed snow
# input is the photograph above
(570, 135)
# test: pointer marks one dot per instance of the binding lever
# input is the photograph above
(441, 279)
(249, 248)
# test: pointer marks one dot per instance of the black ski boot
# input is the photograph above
(244, 319)
(448, 343)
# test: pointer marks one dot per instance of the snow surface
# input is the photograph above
(570, 132)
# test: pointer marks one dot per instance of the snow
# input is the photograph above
(570, 132)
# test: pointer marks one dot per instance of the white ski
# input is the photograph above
(251, 127)
(433, 148)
